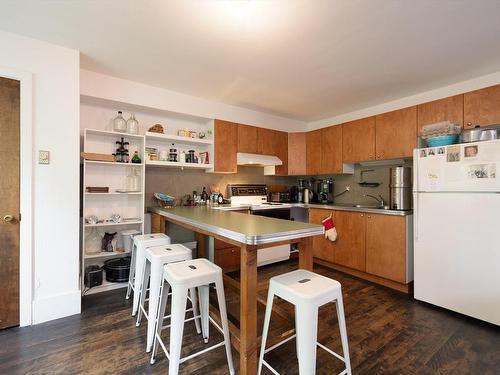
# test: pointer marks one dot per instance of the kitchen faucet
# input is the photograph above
(380, 201)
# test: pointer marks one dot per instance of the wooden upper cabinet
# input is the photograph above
(281, 151)
(386, 246)
(225, 146)
(482, 107)
(349, 249)
(313, 152)
(265, 141)
(446, 109)
(331, 149)
(358, 140)
(247, 139)
(296, 154)
(396, 133)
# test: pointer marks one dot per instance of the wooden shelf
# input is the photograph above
(178, 139)
(112, 134)
(105, 254)
(113, 163)
(106, 285)
(115, 193)
(113, 224)
(169, 164)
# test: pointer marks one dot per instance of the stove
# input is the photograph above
(254, 197)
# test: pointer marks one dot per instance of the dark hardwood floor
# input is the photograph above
(389, 333)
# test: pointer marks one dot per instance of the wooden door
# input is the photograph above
(358, 140)
(296, 154)
(349, 249)
(9, 202)
(247, 139)
(446, 109)
(482, 107)
(281, 146)
(396, 133)
(266, 141)
(331, 150)
(313, 152)
(225, 146)
(322, 248)
(386, 246)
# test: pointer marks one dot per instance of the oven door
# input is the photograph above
(277, 213)
(278, 253)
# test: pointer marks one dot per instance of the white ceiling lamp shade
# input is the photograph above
(257, 160)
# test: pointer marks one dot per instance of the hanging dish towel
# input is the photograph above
(330, 230)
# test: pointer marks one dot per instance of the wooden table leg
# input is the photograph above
(248, 311)
(201, 245)
(306, 254)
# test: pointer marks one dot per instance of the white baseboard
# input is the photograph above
(56, 307)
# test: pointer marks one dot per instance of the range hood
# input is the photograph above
(257, 160)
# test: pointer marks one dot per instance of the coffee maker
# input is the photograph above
(325, 190)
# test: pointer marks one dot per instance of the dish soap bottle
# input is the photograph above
(132, 125)
(119, 124)
(136, 159)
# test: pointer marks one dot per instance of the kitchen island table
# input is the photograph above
(250, 233)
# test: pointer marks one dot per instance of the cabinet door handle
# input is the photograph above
(369, 217)
(362, 215)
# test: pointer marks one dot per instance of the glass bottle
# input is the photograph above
(136, 158)
(132, 125)
(119, 123)
(92, 242)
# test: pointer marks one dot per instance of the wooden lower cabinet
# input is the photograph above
(386, 246)
(372, 246)
(228, 258)
(349, 249)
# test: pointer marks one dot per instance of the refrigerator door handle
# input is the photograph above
(415, 215)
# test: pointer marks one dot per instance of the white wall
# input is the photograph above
(96, 85)
(56, 101)
(423, 97)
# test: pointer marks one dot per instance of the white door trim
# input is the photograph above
(26, 173)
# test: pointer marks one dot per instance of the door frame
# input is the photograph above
(25, 192)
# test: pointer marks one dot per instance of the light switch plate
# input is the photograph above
(43, 157)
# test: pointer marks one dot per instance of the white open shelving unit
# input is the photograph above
(164, 142)
(103, 205)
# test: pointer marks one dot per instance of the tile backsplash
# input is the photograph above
(178, 183)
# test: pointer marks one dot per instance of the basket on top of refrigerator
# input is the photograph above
(441, 133)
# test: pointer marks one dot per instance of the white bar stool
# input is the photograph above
(307, 291)
(156, 257)
(137, 262)
(197, 273)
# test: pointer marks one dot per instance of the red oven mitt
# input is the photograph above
(330, 230)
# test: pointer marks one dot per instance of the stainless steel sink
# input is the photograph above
(372, 207)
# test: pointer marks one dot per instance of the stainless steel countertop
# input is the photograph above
(243, 228)
(351, 207)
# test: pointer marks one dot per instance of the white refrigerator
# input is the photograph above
(457, 228)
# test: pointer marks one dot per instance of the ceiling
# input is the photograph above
(306, 60)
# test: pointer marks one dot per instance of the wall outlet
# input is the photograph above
(43, 157)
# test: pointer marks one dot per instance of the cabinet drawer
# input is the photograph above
(228, 259)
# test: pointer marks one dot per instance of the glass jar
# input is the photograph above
(93, 242)
(132, 125)
(133, 180)
(119, 123)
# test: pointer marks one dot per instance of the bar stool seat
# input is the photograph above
(137, 262)
(307, 291)
(156, 257)
(181, 276)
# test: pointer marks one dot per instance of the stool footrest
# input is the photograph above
(215, 346)
(291, 338)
